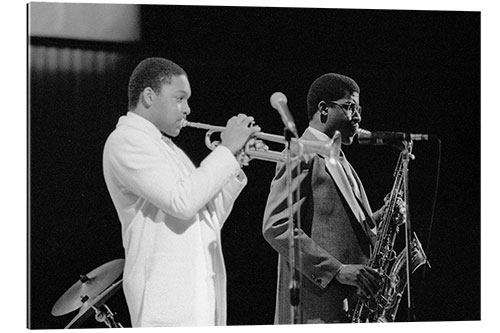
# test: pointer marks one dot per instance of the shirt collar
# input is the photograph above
(323, 137)
(318, 134)
(134, 120)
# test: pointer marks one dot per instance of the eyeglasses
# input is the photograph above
(350, 107)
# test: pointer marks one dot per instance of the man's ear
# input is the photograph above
(323, 111)
(147, 97)
(323, 107)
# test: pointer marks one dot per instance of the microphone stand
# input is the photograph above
(406, 156)
(294, 229)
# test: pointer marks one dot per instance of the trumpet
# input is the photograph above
(298, 147)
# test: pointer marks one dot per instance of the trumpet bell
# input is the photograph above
(298, 148)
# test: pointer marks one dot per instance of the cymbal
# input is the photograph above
(87, 308)
(88, 287)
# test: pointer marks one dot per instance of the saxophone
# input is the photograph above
(384, 305)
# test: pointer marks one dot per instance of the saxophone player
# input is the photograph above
(338, 227)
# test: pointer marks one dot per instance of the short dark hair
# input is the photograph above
(153, 73)
(328, 87)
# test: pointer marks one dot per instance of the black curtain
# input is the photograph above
(419, 71)
(76, 96)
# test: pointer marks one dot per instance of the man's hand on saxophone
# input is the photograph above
(366, 279)
(399, 209)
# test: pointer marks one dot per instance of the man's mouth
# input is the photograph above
(354, 127)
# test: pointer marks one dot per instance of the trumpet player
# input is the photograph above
(337, 225)
(171, 212)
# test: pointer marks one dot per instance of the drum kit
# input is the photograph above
(90, 293)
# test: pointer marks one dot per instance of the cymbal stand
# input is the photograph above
(106, 316)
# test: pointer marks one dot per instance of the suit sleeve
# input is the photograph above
(139, 165)
(224, 201)
(317, 264)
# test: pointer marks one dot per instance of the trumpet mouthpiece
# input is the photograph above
(363, 133)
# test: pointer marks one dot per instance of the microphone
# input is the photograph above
(278, 101)
(366, 137)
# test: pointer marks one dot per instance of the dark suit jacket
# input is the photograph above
(330, 236)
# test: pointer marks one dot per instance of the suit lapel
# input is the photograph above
(363, 198)
(335, 170)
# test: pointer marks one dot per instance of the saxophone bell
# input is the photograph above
(384, 306)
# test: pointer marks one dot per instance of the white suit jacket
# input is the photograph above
(171, 215)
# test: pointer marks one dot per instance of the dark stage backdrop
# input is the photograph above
(419, 71)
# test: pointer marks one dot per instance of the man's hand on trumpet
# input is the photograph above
(237, 133)
(252, 144)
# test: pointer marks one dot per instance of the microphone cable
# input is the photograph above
(433, 209)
